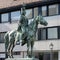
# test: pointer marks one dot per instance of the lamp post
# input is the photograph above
(51, 52)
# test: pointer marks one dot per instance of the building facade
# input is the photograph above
(48, 37)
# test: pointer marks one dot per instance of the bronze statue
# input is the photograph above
(29, 30)
(13, 36)
(25, 32)
(11, 39)
(29, 36)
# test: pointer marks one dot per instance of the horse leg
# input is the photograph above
(8, 50)
(13, 45)
(6, 53)
(32, 43)
(12, 50)
(28, 48)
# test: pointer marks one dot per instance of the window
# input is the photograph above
(48, 33)
(42, 34)
(52, 33)
(15, 16)
(29, 13)
(49, 10)
(35, 11)
(53, 9)
(2, 37)
(44, 11)
(4, 17)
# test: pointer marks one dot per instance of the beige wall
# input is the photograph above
(9, 3)
(40, 46)
(44, 45)
(52, 21)
(8, 26)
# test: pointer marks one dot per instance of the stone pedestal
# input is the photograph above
(21, 59)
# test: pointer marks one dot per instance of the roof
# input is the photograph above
(10, 3)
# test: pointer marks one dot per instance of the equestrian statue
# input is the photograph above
(25, 31)
(29, 30)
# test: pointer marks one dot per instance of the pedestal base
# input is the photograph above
(21, 59)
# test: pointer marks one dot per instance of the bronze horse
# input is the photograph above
(25, 32)
(11, 39)
(29, 36)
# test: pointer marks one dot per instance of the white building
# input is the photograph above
(49, 9)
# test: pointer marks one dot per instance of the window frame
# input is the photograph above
(57, 9)
(56, 31)
(12, 20)
(1, 18)
(1, 33)
(39, 12)
(32, 13)
(47, 10)
(39, 34)
(58, 34)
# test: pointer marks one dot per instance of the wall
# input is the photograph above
(52, 21)
(4, 4)
(40, 46)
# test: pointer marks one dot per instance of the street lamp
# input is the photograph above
(51, 53)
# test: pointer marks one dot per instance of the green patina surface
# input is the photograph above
(27, 32)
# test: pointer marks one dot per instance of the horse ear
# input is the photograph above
(36, 18)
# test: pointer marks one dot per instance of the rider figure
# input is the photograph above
(23, 20)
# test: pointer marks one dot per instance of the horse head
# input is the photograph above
(41, 20)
